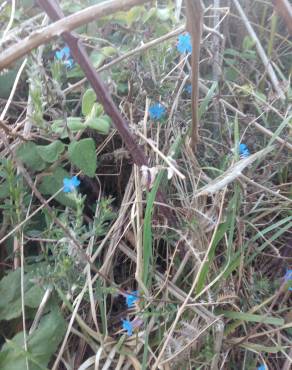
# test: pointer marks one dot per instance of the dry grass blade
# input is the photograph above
(261, 51)
(232, 173)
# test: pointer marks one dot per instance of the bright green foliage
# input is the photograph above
(41, 345)
(102, 124)
(50, 153)
(89, 98)
(36, 156)
(29, 155)
(82, 155)
(10, 303)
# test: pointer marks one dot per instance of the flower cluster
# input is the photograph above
(64, 55)
(70, 184)
(243, 151)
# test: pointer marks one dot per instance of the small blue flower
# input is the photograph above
(131, 298)
(156, 111)
(243, 151)
(188, 89)
(184, 44)
(64, 55)
(127, 325)
(70, 184)
(262, 367)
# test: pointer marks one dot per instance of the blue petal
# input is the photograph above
(244, 151)
(59, 55)
(156, 111)
(127, 325)
(70, 184)
(131, 298)
(288, 275)
(184, 44)
(75, 181)
(188, 89)
(66, 52)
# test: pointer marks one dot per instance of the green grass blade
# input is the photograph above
(251, 317)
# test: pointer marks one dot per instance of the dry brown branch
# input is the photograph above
(66, 24)
(195, 26)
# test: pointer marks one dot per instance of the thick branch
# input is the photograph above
(69, 23)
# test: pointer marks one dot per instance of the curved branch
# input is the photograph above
(69, 23)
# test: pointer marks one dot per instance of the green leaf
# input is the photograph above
(102, 125)
(7, 78)
(108, 51)
(89, 98)
(4, 190)
(82, 155)
(50, 153)
(211, 254)
(248, 43)
(10, 293)
(41, 345)
(29, 155)
(52, 183)
(95, 112)
(252, 317)
(75, 124)
(97, 58)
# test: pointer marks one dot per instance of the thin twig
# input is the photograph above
(12, 14)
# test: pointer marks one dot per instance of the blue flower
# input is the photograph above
(188, 89)
(64, 55)
(243, 151)
(156, 111)
(262, 367)
(127, 325)
(131, 298)
(184, 44)
(70, 184)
